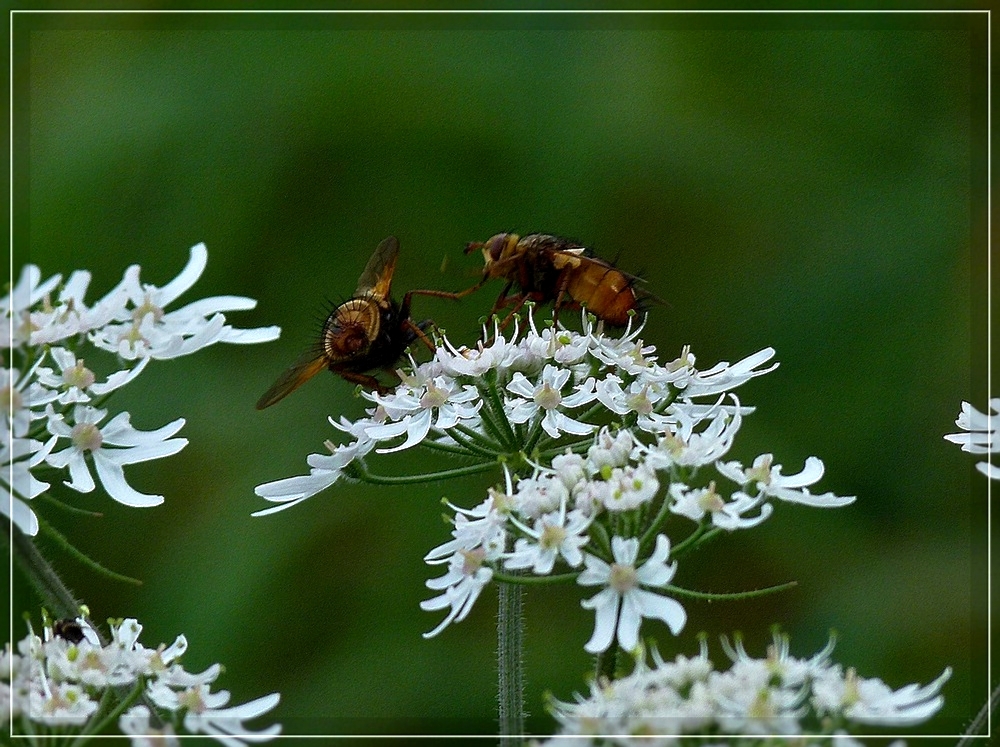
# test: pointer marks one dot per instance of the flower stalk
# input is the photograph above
(510, 664)
(42, 576)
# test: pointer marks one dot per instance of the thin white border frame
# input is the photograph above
(561, 11)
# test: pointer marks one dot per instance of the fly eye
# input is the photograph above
(494, 246)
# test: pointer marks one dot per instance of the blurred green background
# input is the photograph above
(814, 183)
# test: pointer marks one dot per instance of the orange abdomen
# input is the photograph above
(606, 292)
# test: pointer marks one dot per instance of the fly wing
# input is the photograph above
(307, 366)
(377, 276)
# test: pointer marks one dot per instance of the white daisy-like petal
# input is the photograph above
(113, 479)
(197, 261)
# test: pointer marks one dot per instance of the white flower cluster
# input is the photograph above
(981, 434)
(523, 394)
(811, 700)
(562, 515)
(61, 681)
(606, 443)
(54, 414)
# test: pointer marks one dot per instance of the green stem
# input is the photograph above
(475, 442)
(63, 506)
(65, 544)
(977, 728)
(534, 435)
(697, 537)
(509, 578)
(730, 595)
(510, 664)
(461, 449)
(661, 516)
(593, 410)
(577, 447)
(682, 547)
(491, 428)
(358, 470)
(42, 576)
(606, 664)
(493, 402)
(126, 698)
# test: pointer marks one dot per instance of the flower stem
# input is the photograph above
(536, 432)
(52, 533)
(46, 582)
(491, 397)
(510, 664)
(978, 726)
(733, 595)
(359, 471)
(510, 578)
(476, 443)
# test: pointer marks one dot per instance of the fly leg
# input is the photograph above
(366, 380)
(417, 330)
(562, 283)
(445, 294)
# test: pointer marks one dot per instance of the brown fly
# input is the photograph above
(548, 268)
(368, 332)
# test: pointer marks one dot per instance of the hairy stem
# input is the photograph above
(977, 728)
(42, 576)
(510, 664)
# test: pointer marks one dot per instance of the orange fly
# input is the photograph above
(550, 268)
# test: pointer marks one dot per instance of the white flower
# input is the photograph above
(14, 307)
(682, 445)
(775, 695)
(137, 724)
(18, 456)
(750, 700)
(477, 361)
(640, 396)
(981, 436)
(59, 681)
(460, 587)
(148, 329)
(554, 535)
(483, 527)
(109, 448)
(414, 409)
(21, 396)
(326, 469)
(77, 382)
(872, 702)
(539, 495)
(546, 396)
(694, 503)
(570, 468)
(560, 345)
(722, 377)
(626, 352)
(71, 316)
(609, 451)
(792, 488)
(60, 704)
(204, 712)
(627, 488)
(622, 604)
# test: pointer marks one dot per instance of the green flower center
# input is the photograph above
(79, 376)
(622, 577)
(548, 398)
(86, 437)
